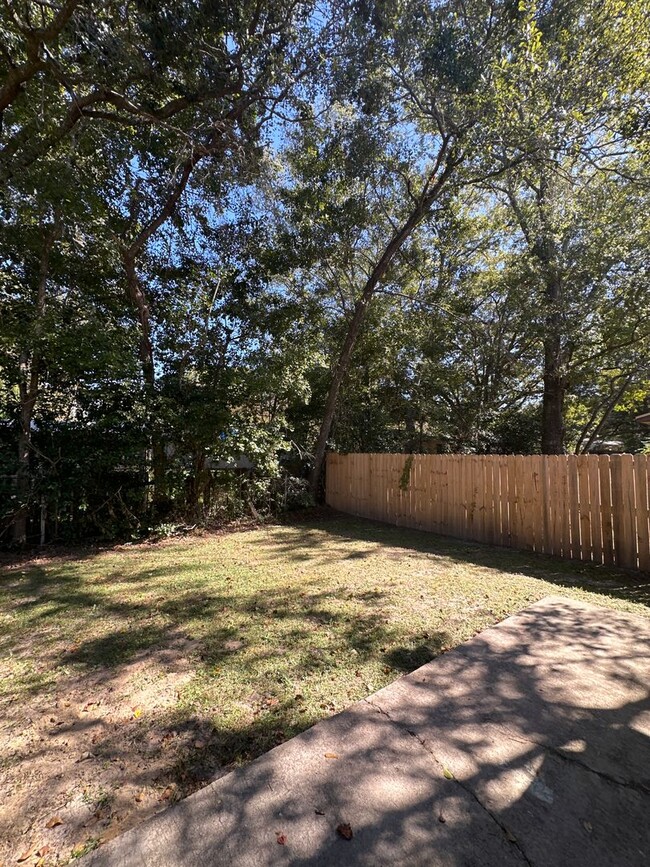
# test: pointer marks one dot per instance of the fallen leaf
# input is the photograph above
(43, 851)
(137, 712)
(331, 756)
(233, 645)
(139, 797)
(344, 830)
(83, 757)
(27, 854)
(588, 826)
(509, 835)
(168, 793)
(447, 774)
(53, 822)
(281, 838)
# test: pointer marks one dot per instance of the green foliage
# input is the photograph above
(193, 196)
(405, 478)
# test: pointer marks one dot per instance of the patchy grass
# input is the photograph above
(131, 677)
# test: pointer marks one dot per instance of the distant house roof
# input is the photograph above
(606, 447)
(241, 463)
(644, 419)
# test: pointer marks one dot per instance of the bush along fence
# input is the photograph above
(584, 507)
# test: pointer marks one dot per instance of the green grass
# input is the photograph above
(288, 623)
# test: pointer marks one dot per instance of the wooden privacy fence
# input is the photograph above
(585, 507)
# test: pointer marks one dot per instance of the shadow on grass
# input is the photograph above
(622, 584)
(46, 593)
(407, 659)
(115, 648)
(51, 592)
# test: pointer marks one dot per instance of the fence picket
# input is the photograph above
(628, 512)
(595, 510)
(642, 474)
(489, 510)
(584, 500)
(606, 521)
(506, 538)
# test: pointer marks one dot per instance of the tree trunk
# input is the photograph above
(28, 388)
(337, 378)
(544, 247)
(22, 474)
(141, 306)
(555, 358)
(195, 485)
(409, 425)
(583, 447)
(139, 301)
(553, 398)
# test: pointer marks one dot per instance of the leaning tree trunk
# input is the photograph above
(445, 164)
(585, 440)
(338, 375)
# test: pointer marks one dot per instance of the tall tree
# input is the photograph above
(136, 98)
(577, 80)
(429, 83)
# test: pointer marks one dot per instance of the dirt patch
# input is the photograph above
(96, 756)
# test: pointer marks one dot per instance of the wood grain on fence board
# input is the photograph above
(588, 507)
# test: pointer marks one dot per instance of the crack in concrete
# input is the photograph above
(510, 837)
(571, 758)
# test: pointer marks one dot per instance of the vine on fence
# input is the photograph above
(406, 474)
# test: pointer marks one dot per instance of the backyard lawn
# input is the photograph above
(132, 676)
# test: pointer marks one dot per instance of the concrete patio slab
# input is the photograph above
(529, 744)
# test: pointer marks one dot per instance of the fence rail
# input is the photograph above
(585, 507)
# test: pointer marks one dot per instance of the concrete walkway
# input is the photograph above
(529, 744)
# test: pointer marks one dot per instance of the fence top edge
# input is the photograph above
(472, 455)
